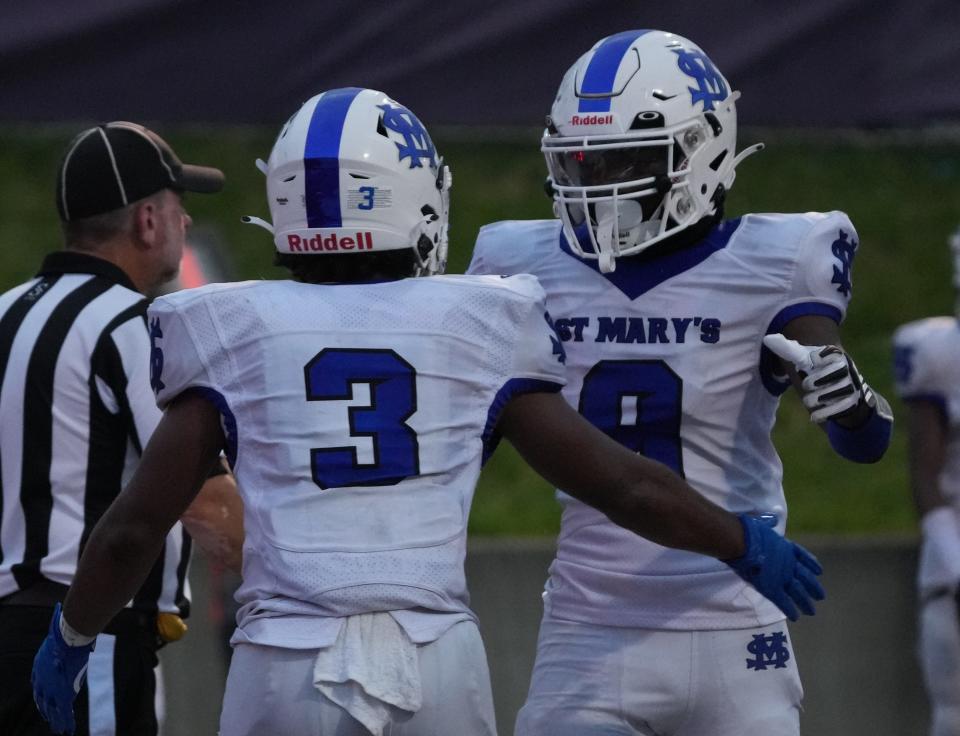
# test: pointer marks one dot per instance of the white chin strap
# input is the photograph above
(253, 220)
(748, 151)
(613, 218)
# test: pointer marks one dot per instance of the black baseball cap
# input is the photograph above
(115, 164)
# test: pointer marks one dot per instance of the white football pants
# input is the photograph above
(590, 680)
(270, 692)
(939, 651)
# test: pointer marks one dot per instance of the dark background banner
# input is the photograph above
(496, 62)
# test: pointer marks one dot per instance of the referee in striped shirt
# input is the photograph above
(76, 408)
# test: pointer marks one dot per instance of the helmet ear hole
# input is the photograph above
(424, 247)
(715, 164)
(647, 120)
(714, 123)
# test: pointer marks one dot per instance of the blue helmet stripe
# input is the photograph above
(602, 70)
(321, 158)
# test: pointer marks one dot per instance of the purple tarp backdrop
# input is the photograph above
(496, 62)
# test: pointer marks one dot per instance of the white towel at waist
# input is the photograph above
(370, 671)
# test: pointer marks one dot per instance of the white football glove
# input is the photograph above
(832, 386)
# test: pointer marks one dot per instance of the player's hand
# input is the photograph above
(58, 674)
(780, 569)
(832, 386)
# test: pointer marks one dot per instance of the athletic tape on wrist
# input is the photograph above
(863, 444)
(71, 636)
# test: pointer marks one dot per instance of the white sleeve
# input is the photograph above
(480, 264)
(539, 353)
(538, 356)
(175, 360)
(823, 281)
(915, 365)
(505, 248)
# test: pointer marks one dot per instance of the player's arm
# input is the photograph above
(939, 569)
(651, 500)
(926, 450)
(128, 538)
(123, 547)
(923, 376)
(857, 420)
(638, 493)
(215, 519)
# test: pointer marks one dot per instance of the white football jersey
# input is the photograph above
(926, 358)
(665, 354)
(357, 418)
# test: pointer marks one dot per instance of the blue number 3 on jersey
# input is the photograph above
(330, 376)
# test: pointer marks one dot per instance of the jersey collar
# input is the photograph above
(636, 275)
(71, 261)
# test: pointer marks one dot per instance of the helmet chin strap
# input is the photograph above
(614, 218)
(608, 235)
(748, 151)
(254, 220)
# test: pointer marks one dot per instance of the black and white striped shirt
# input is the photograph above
(76, 409)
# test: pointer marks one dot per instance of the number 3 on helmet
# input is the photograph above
(353, 171)
(640, 143)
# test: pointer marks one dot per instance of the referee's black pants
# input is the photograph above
(131, 682)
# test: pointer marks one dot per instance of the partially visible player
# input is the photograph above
(357, 405)
(927, 372)
(671, 319)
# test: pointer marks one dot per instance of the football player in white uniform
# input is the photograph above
(927, 372)
(357, 405)
(671, 319)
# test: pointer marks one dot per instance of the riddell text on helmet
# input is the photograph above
(362, 241)
(591, 119)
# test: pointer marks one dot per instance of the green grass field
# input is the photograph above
(904, 200)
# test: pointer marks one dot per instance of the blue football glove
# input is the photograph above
(780, 569)
(58, 674)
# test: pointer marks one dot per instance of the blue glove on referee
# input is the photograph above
(58, 674)
(780, 569)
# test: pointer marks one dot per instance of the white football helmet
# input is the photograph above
(353, 171)
(640, 143)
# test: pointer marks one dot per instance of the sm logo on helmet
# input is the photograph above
(416, 141)
(710, 85)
